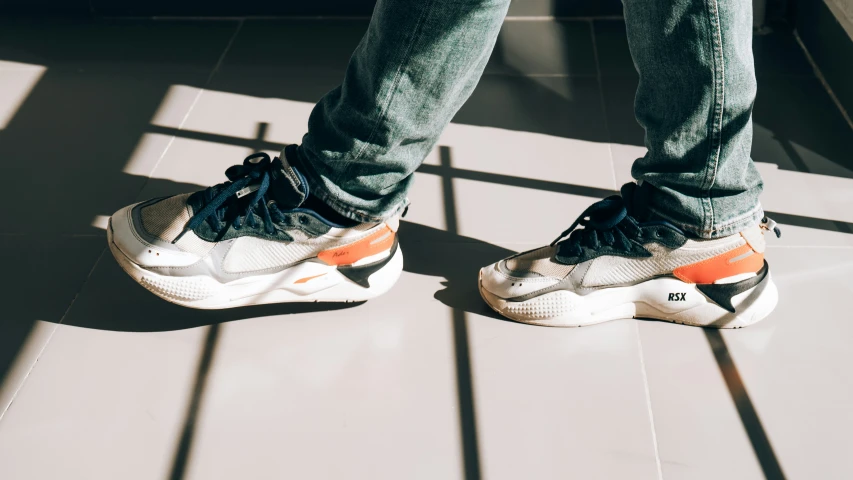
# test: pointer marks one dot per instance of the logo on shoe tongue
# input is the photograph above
(246, 190)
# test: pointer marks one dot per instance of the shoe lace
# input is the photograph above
(605, 222)
(243, 194)
(608, 222)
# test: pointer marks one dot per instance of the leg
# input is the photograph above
(412, 71)
(263, 237)
(697, 87)
(703, 267)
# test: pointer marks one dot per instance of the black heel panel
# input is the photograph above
(722, 293)
(361, 273)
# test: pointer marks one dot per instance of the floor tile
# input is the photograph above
(425, 382)
(804, 133)
(326, 8)
(795, 363)
(119, 74)
(568, 107)
(322, 47)
(293, 370)
(16, 82)
(547, 8)
(611, 43)
(619, 93)
(115, 46)
(500, 154)
(276, 375)
(818, 196)
(290, 49)
(696, 423)
(692, 387)
(516, 216)
(776, 52)
(48, 272)
(332, 395)
(101, 405)
(545, 412)
(555, 144)
(543, 48)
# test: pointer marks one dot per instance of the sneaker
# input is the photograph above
(252, 240)
(617, 267)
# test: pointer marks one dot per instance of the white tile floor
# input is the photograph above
(101, 380)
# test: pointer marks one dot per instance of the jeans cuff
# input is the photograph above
(717, 230)
(318, 188)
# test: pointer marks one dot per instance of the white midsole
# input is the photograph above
(653, 299)
(324, 284)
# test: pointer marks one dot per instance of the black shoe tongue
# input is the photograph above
(636, 200)
(288, 187)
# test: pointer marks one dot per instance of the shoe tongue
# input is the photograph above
(288, 187)
(636, 200)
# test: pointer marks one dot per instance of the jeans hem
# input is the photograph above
(318, 188)
(731, 227)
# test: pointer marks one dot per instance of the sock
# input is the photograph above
(313, 203)
(325, 211)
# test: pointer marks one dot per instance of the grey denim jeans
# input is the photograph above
(420, 60)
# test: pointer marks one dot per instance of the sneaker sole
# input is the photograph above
(309, 281)
(645, 300)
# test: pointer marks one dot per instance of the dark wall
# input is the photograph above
(277, 7)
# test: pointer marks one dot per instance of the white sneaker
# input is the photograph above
(616, 267)
(248, 242)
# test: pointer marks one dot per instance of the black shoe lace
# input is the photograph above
(245, 192)
(605, 222)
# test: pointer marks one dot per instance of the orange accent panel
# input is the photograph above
(305, 280)
(715, 268)
(349, 254)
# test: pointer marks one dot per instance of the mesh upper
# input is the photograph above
(615, 270)
(538, 261)
(252, 253)
(166, 219)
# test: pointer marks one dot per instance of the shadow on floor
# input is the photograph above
(66, 148)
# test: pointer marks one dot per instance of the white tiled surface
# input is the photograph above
(101, 380)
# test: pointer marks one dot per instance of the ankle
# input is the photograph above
(325, 211)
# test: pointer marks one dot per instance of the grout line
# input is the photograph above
(50, 337)
(752, 425)
(603, 104)
(649, 401)
(33, 365)
(224, 53)
(193, 104)
(823, 81)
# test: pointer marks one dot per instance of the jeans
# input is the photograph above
(421, 59)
